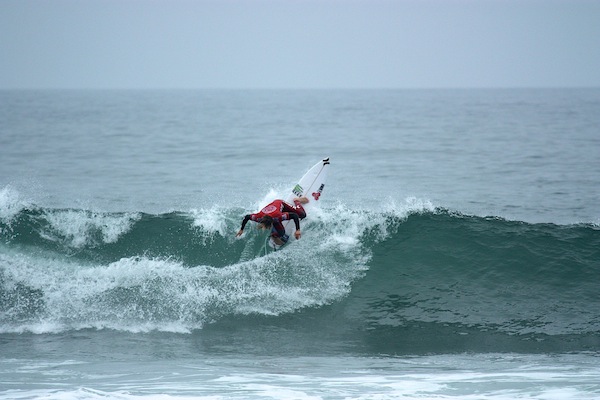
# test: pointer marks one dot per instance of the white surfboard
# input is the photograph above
(311, 185)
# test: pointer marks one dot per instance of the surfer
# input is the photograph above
(272, 216)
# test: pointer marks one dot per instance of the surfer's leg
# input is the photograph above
(296, 208)
(280, 241)
(278, 233)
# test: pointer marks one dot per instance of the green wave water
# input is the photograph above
(415, 279)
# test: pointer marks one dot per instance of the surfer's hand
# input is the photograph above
(297, 234)
(239, 233)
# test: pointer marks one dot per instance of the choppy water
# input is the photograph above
(455, 254)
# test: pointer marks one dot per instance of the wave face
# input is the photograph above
(445, 281)
(407, 279)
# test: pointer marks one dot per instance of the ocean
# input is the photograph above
(455, 253)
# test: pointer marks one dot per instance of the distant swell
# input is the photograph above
(412, 279)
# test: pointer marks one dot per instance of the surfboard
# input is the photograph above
(310, 185)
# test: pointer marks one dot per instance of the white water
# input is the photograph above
(471, 377)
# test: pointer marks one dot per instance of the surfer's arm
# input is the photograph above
(294, 216)
(296, 219)
(244, 222)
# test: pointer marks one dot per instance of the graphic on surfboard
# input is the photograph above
(310, 185)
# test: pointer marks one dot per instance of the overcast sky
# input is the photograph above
(299, 43)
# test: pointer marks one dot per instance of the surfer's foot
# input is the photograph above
(278, 241)
(301, 200)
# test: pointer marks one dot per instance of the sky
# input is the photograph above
(297, 44)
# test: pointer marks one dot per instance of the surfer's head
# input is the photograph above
(265, 222)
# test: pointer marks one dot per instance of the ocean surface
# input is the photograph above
(455, 253)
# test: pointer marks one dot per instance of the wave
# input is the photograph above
(63, 269)
(409, 276)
